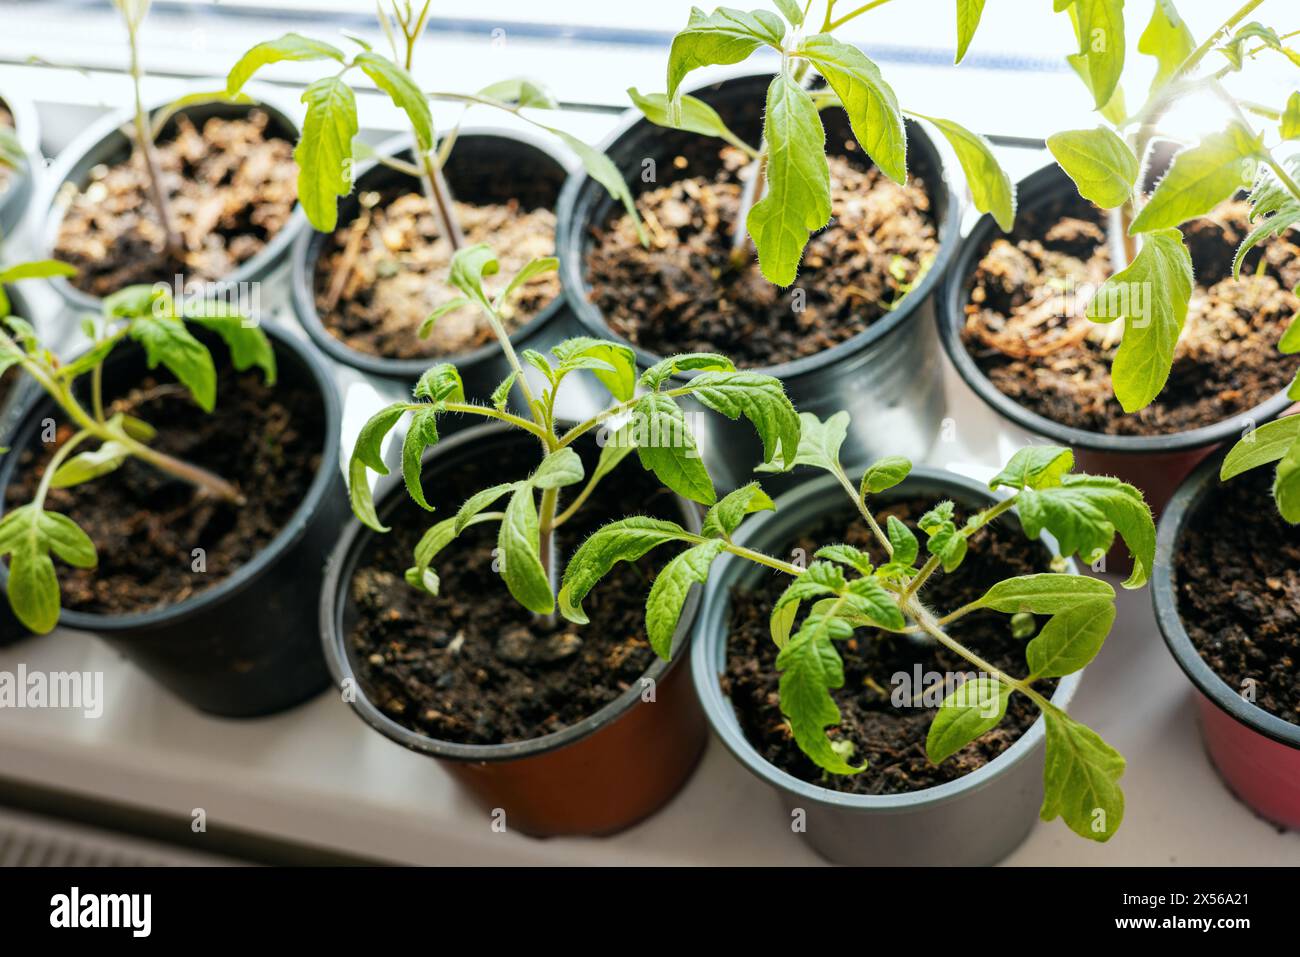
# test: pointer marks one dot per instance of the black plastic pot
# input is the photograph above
(1256, 753)
(597, 776)
(975, 820)
(107, 142)
(1156, 464)
(887, 377)
(469, 173)
(22, 182)
(11, 629)
(248, 645)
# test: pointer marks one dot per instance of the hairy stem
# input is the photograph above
(144, 142)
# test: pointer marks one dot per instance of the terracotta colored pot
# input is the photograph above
(1256, 753)
(1156, 464)
(595, 777)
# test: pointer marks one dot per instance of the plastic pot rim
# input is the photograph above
(338, 571)
(112, 124)
(721, 713)
(1201, 483)
(951, 312)
(302, 273)
(22, 185)
(294, 529)
(569, 239)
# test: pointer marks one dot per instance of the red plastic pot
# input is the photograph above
(1155, 464)
(1256, 753)
(595, 777)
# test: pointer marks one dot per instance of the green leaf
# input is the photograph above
(1261, 446)
(759, 398)
(810, 669)
(249, 346)
(167, 341)
(821, 579)
(616, 448)
(968, 21)
(1286, 485)
(866, 97)
(903, 541)
(974, 707)
(991, 188)
(657, 374)
(1275, 208)
(534, 267)
(1045, 594)
(694, 116)
(948, 545)
(420, 434)
(519, 547)
(1080, 779)
(28, 535)
(403, 91)
(723, 37)
(324, 150)
(602, 169)
(1290, 123)
(625, 540)
(1034, 466)
(479, 501)
(521, 92)
(560, 468)
(854, 558)
(431, 320)
(1085, 512)
(1151, 296)
(663, 607)
(798, 198)
(501, 394)
(885, 474)
(468, 267)
(440, 383)
(725, 517)
(38, 269)
(1101, 43)
(619, 378)
(819, 444)
(1167, 39)
(1071, 639)
(368, 454)
(1200, 178)
(291, 46)
(867, 602)
(1101, 164)
(669, 449)
(790, 10)
(85, 466)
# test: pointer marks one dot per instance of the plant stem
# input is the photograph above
(435, 185)
(144, 142)
(828, 24)
(60, 455)
(209, 483)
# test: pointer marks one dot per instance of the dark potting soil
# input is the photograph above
(473, 666)
(891, 739)
(682, 294)
(146, 525)
(1027, 331)
(232, 187)
(382, 275)
(1237, 578)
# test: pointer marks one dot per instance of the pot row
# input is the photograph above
(888, 377)
(632, 756)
